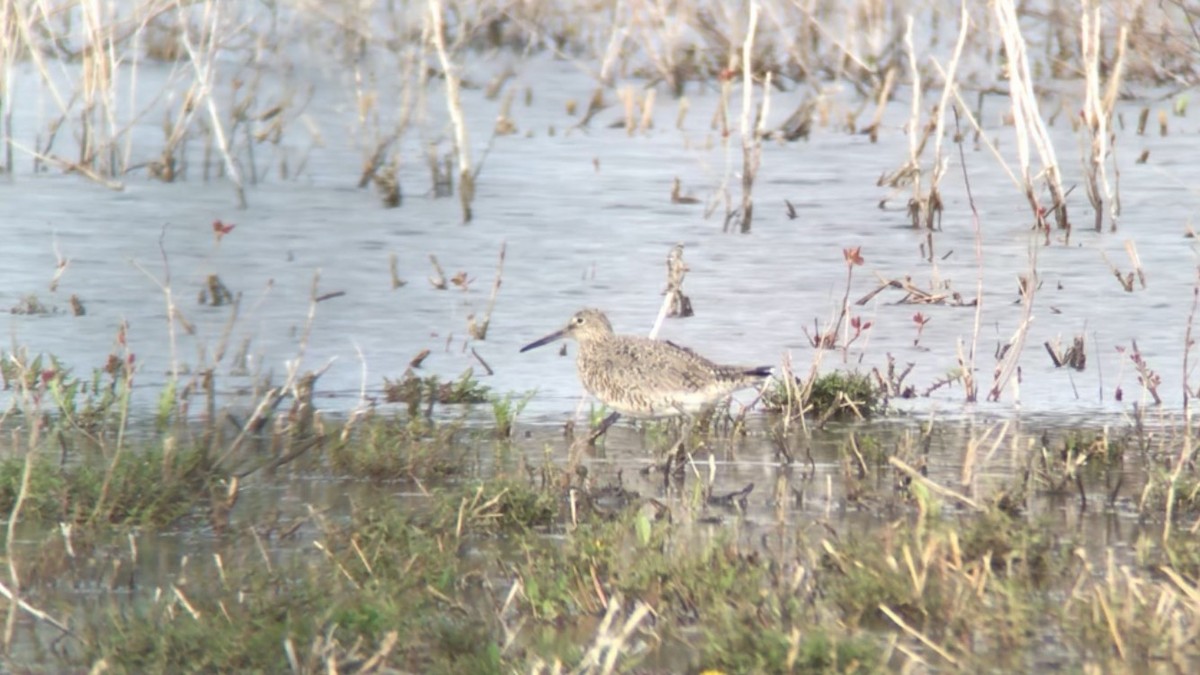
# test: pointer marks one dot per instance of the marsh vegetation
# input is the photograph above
(269, 266)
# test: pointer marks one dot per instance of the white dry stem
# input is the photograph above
(173, 313)
(914, 122)
(1027, 120)
(751, 143)
(1098, 111)
(204, 71)
(36, 54)
(748, 74)
(466, 185)
(272, 396)
(611, 638)
(100, 69)
(1008, 365)
(921, 637)
(616, 42)
(966, 111)
(939, 163)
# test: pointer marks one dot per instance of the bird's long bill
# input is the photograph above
(556, 335)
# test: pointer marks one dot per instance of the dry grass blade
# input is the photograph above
(921, 637)
(479, 329)
(932, 486)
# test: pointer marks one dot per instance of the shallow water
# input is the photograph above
(585, 218)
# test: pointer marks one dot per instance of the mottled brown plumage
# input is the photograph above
(641, 377)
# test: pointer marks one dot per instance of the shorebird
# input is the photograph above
(646, 378)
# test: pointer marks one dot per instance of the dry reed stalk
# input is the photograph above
(204, 63)
(963, 108)
(925, 208)
(720, 124)
(1010, 360)
(466, 178)
(97, 90)
(273, 396)
(647, 121)
(996, 435)
(881, 101)
(615, 47)
(751, 135)
(918, 206)
(1027, 121)
(1138, 272)
(173, 313)
(611, 638)
(934, 200)
(681, 305)
(797, 44)
(478, 330)
(967, 363)
(1098, 112)
(920, 637)
(660, 24)
(629, 104)
(1187, 353)
(934, 487)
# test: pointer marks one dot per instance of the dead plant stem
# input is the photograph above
(751, 140)
(466, 178)
(204, 70)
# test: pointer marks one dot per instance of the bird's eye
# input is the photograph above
(579, 321)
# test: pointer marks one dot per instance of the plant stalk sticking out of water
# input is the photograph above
(930, 206)
(479, 329)
(1010, 354)
(751, 135)
(1028, 123)
(681, 305)
(204, 64)
(829, 339)
(966, 362)
(466, 178)
(1097, 113)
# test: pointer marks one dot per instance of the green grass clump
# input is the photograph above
(502, 506)
(420, 393)
(1178, 494)
(844, 394)
(1015, 546)
(830, 396)
(505, 411)
(146, 486)
(748, 648)
(415, 448)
